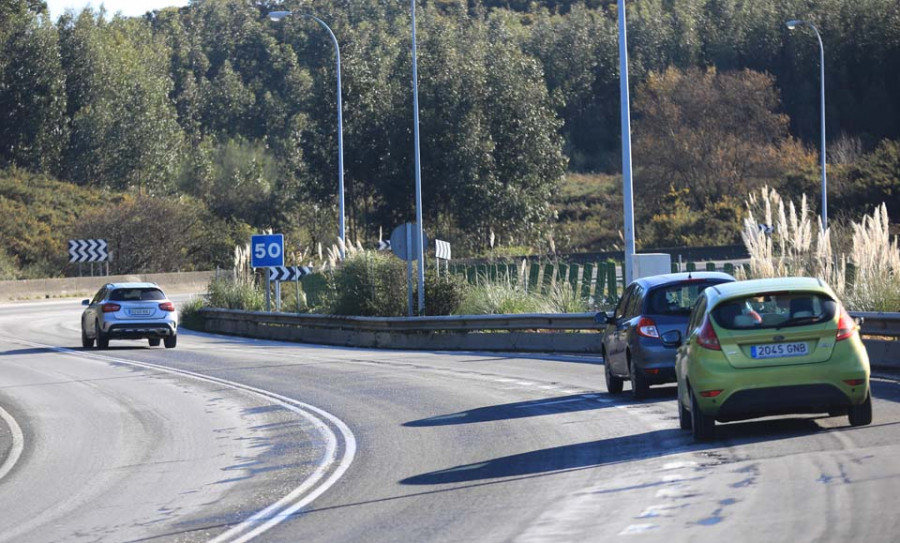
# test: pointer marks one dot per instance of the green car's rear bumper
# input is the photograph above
(778, 390)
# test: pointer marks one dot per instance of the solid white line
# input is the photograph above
(313, 487)
(18, 443)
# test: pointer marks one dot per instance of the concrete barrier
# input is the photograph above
(68, 287)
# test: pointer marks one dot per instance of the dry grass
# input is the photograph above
(866, 279)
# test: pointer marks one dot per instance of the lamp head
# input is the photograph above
(278, 15)
(793, 23)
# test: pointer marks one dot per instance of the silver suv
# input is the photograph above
(129, 311)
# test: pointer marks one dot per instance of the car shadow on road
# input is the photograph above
(654, 444)
(30, 350)
(518, 410)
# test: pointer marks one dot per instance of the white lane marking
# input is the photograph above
(638, 529)
(18, 443)
(549, 402)
(298, 498)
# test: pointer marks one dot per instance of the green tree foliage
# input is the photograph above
(124, 128)
(33, 130)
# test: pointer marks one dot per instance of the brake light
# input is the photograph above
(110, 308)
(647, 328)
(710, 393)
(167, 306)
(846, 326)
(707, 337)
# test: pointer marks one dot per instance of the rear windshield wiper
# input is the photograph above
(798, 320)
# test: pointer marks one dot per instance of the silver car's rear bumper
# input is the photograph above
(139, 330)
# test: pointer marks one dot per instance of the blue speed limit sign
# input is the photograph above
(267, 250)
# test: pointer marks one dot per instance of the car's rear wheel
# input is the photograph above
(153, 341)
(684, 416)
(102, 339)
(613, 383)
(861, 415)
(86, 342)
(639, 385)
(170, 341)
(702, 426)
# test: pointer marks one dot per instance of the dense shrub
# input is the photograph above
(369, 283)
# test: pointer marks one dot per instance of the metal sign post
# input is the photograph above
(409, 270)
(267, 250)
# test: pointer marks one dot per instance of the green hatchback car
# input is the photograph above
(770, 347)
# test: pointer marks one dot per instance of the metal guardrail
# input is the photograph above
(562, 333)
(454, 323)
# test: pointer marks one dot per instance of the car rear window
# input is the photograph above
(677, 298)
(136, 295)
(774, 310)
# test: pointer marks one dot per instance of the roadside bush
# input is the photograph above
(444, 294)
(189, 317)
(368, 283)
(231, 294)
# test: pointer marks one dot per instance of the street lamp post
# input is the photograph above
(626, 147)
(279, 15)
(421, 239)
(792, 24)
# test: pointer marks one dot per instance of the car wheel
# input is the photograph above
(639, 385)
(684, 416)
(170, 341)
(86, 342)
(703, 426)
(613, 383)
(861, 415)
(153, 341)
(102, 339)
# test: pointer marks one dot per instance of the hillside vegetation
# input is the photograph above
(227, 121)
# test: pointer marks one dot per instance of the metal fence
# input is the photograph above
(573, 333)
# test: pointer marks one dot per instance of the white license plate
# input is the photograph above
(140, 312)
(779, 350)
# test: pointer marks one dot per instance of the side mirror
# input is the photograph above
(672, 338)
(605, 318)
(85, 302)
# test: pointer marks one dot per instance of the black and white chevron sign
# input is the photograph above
(441, 249)
(88, 250)
(288, 273)
(384, 245)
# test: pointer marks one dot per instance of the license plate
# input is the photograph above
(779, 350)
(140, 312)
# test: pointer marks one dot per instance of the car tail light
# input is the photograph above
(167, 306)
(110, 308)
(846, 326)
(647, 328)
(710, 393)
(707, 337)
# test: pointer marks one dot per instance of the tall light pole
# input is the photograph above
(279, 15)
(627, 195)
(792, 24)
(420, 242)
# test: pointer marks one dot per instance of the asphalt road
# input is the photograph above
(360, 445)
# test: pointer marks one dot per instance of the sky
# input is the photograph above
(129, 8)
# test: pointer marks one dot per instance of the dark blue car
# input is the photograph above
(643, 333)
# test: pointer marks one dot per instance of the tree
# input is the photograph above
(124, 126)
(715, 134)
(34, 129)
